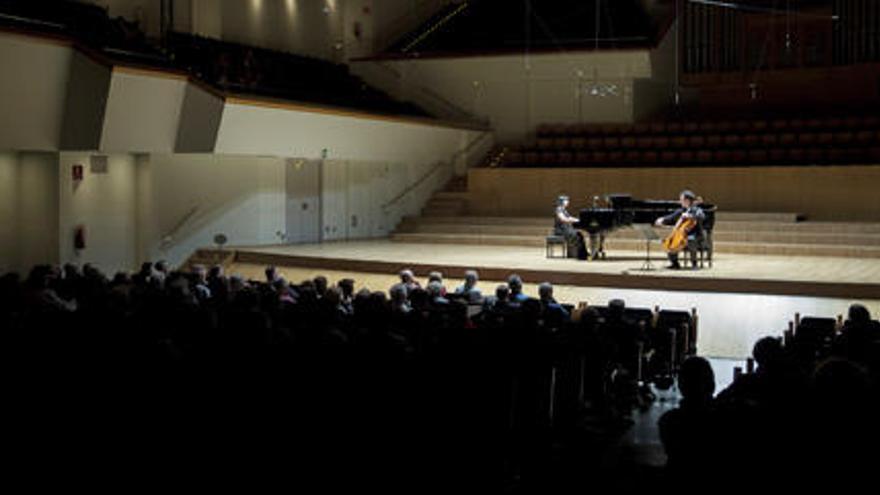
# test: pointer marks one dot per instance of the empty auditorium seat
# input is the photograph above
(779, 125)
(583, 158)
(532, 158)
(633, 157)
(515, 158)
(565, 158)
(612, 143)
(661, 142)
(797, 155)
(732, 140)
(768, 140)
(865, 138)
(691, 127)
(658, 127)
(788, 139)
(778, 155)
(642, 128)
(696, 141)
(808, 138)
(825, 138)
(650, 157)
(647, 142)
(545, 143)
(687, 156)
(678, 142)
(628, 142)
(668, 156)
(673, 127)
(758, 156)
(738, 156)
(578, 143)
(704, 156)
(751, 140)
(714, 141)
(844, 138)
(815, 155)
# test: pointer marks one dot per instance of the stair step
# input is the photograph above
(427, 227)
(758, 217)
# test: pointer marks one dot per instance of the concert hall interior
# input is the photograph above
(509, 246)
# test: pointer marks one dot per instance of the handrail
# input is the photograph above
(405, 23)
(412, 187)
(32, 20)
(428, 32)
(460, 112)
(168, 238)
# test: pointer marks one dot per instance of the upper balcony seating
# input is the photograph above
(230, 67)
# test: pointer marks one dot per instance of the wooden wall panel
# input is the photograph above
(822, 193)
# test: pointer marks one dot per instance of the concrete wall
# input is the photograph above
(28, 209)
(143, 112)
(104, 204)
(33, 86)
(515, 93)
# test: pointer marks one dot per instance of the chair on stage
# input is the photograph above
(552, 242)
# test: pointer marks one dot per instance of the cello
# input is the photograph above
(677, 241)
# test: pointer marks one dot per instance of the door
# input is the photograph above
(303, 206)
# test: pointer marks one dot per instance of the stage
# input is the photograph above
(741, 299)
(839, 277)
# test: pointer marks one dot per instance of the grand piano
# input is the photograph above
(621, 210)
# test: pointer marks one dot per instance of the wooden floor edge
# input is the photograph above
(617, 281)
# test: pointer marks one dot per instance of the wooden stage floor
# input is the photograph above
(855, 278)
(731, 321)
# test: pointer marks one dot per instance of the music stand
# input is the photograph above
(649, 235)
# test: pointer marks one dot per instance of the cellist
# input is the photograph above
(689, 209)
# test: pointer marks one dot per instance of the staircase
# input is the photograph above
(452, 201)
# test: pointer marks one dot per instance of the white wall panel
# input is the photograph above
(143, 112)
(33, 87)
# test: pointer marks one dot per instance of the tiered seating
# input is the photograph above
(230, 67)
(247, 69)
(795, 141)
(90, 25)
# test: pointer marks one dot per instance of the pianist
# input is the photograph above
(564, 226)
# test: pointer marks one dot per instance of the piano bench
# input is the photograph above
(556, 240)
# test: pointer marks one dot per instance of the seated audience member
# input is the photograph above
(436, 276)
(515, 283)
(622, 336)
(469, 288)
(689, 432)
(163, 267)
(283, 291)
(321, 285)
(553, 312)
(346, 287)
(408, 279)
(436, 293)
(200, 283)
(860, 335)
(399, 299)
(500, 302)
(272, 274)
